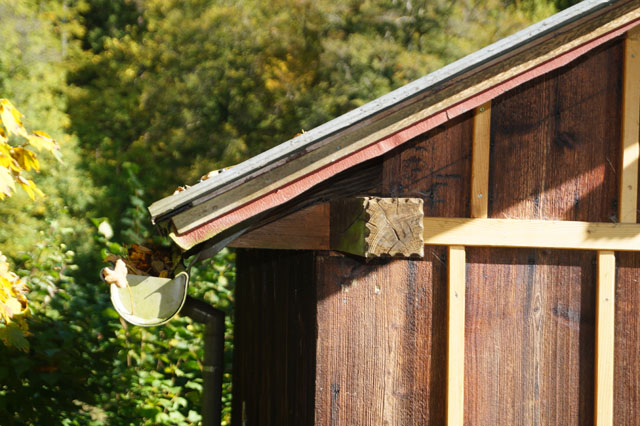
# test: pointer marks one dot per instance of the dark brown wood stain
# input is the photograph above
(381, 341)
(529, 356)
(530, 313)
(275, 335)
(555, 143)
(626, 383)
(332, 340)
(435, 167)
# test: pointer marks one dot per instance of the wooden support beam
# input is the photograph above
(378, 227)
(455, 335)
(605, 325)
(531, 233)
(480, 161)
(307, 229)
(628, 196)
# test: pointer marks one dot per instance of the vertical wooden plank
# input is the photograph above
(436, 167)
(480, 161)
(556, 143)
(630, 147)
(381, 345)
(530, 313)
(455, 343)
(627, 337)
(530, 342)
(605, 326)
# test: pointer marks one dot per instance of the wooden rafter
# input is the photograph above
(286, 233)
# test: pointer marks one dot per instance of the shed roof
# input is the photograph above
(291, 168)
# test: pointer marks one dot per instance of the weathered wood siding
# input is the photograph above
(627, 340)
(530, 313)
(274, 338)
(380, 353)
(379, 360)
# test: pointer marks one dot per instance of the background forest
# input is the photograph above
(146, 95)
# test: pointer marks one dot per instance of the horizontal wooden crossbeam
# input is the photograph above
(309, 230)
(531, 233)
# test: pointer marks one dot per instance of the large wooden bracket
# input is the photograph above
(374, 227)
(369, 227)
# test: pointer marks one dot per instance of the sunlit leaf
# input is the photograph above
(10, 117)
(30, 188)
(5, 149)
(7, 185)
(42, 141)
(13, 336)
(26, 159)
(105, 229)
(5, 313)
(13, 307)
(5, 161)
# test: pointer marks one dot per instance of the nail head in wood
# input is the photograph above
(374, 227)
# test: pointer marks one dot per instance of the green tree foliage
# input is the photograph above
(33, 76)
(188, 87)
(16, 160)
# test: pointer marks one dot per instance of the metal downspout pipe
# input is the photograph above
(213, 363)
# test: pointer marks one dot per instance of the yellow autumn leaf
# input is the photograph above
(26, 159)
(5, 160)
(30, 188)
(41, 140)
(5, 313)
(14, 306)
(10, 117)
(7, 185)
(5, 288)
(5, 149)
(11, 306)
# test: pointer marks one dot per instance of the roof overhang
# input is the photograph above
(287, 170)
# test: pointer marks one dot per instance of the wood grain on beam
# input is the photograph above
(532, 233)
(628, 204)
(307, 229)
(455, 337)
(605, 326)
(377, 227)
(480, 161)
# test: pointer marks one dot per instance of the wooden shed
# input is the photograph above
(463, 250)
